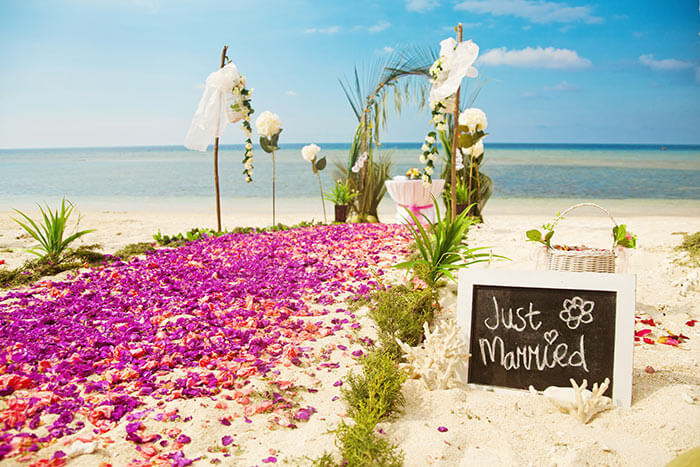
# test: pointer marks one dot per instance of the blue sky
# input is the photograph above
(130, 72)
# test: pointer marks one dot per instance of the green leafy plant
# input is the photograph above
(443, 249)
(50, 233)
(193, 234)
(624, 238)
(544, 237)
(340, 194)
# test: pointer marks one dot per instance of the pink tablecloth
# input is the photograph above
(413, 195)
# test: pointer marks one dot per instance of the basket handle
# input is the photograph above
(571, 208)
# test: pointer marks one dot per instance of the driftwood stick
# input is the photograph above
(455, 142)
(216, 160)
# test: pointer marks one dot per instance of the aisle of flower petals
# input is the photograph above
(181, 323)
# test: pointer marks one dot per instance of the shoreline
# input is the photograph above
(306, 207)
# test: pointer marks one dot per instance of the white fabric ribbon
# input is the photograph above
(208, 121)
(456, 64)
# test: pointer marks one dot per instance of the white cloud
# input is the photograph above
(668, 64)
(536, 11)
(563, 87)
(379, 27)
(388, 50)
(329, 30)
(535, 58)
(421, 5)
(291, 93)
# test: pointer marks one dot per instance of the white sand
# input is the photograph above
(483, 427)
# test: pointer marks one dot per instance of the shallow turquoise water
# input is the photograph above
(519, 171)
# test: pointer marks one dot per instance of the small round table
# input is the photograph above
(414, 196)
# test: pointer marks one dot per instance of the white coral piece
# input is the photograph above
(577, 401)
(687, 283)
(441, 360)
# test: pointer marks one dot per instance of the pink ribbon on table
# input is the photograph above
(415, 209)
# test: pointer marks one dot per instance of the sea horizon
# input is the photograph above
(384, 145)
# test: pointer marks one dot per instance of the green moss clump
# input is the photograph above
(399, 313)
(134, 249)
(33, 270)
(375, 393)
(691, 244)
(372, 395)
(360, 446)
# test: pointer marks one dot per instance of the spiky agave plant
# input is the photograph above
(370, 98)
(50, 233)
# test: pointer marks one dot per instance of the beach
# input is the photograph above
(482, 428)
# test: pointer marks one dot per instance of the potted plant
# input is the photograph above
(341, 196)
(462, 196)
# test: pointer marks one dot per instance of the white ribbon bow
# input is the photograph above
(208, 121)
(456, 64)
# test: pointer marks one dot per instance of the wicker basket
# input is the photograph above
(587, 260)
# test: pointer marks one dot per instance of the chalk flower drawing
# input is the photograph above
(576, 311)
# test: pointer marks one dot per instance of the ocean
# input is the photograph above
(173, 173)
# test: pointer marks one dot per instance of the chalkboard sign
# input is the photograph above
(541, 328)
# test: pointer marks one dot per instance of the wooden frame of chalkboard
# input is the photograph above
(541, 328)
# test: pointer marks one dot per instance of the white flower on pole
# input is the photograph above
(268, 124)
(455, 63)
(459, 159)
(474, 119)
(309, 152)
(360, 162)
(477, 149)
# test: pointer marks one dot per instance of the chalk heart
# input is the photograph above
(551, 336)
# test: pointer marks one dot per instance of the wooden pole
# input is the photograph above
(455, 142)
(273, 189)
(216, 160)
